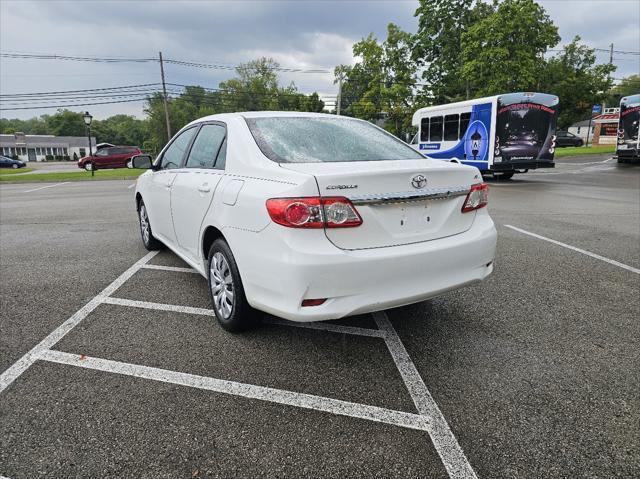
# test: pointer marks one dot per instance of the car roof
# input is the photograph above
(264, 114)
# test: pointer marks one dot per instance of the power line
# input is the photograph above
(78, 91)
(217, 66)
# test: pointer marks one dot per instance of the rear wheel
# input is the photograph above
(226, 291)
(148, 240)
(129, 164)
(14, 166)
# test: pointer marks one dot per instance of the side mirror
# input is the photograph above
(142, 162)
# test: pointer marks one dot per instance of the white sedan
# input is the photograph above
(312, 217)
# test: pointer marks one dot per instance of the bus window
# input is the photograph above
(424, 129)
(464, 123)
(451, 127)
(435, 130)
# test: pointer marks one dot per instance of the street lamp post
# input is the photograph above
(87, 121)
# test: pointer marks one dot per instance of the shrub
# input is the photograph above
(48, 158)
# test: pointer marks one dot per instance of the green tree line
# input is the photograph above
(255, 87)
(467, 49)
(462, 49)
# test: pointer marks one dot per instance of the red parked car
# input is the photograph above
(110, 157)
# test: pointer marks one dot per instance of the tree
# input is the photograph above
(380, 85)
(437, 46)
(504, 52)
(65, 123)
(575, 78)
(627, 86)
(254, 88)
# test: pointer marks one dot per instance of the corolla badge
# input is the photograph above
(419, 181)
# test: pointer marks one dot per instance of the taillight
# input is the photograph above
(477, 198)
(314, 212)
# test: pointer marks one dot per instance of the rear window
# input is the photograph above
(324, 140)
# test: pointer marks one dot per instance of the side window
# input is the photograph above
(451, 123)
(172, 157)
(206, 146)
(435, 130)
(103, 152)
(465, 118)
(221, 162)
(424, 129)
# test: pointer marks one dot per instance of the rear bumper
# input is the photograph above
(521, 165)
(630, 154)
(278, 277)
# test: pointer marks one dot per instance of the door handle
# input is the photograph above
(204, 188)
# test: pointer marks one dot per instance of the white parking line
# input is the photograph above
(579, 250)
(20, 366)
(158, 306)
(333, 328)
(48, 186)
(170, 268)
(279, 396)
(131, 186)
(444, 441)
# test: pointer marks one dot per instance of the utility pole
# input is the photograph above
(164, 97)
(611, 54)
(339, 99)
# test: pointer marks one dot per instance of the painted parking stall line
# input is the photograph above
(445, 443)
(332, 328)
(428, 419)
(44, 187)
(20, 366)
(174, 308)
(177, 269)
(250, 391)
(579, 250)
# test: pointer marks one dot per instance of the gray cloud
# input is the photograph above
(307, 34)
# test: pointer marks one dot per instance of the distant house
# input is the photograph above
(581, 128)
(38, 147)
(604, 128)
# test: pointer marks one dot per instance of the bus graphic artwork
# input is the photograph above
(628, 143)
(502, 134)
(476, 143)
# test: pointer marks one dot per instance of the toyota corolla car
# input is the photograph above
(312, 217)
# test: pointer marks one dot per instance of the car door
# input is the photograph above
(100, 158)
(194, 187)
(158, 196)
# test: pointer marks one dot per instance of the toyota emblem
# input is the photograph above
(419, 181)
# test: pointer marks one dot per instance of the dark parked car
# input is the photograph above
(11, 163)
(564, 138)
(111, 157)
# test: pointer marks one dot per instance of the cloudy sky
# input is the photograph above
(315, 34)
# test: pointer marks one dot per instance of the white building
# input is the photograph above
(581, 128)
(39, 147)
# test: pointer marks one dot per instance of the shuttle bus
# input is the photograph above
(501, 135)
(628, 146)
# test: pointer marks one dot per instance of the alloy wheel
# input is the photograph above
(221, 285)
(144, 225)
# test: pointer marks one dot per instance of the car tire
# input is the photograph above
(14, 166)
(506, 176)
(88, 166)
(148, 240)
(129, 164)
(226, 291)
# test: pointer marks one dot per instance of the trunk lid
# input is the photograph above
(400, 202)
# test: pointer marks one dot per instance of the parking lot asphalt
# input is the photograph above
(534, 371)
